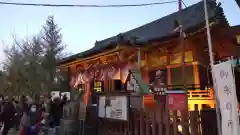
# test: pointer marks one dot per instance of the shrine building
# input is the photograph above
(155, 49)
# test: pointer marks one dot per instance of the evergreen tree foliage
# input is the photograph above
(30, 64)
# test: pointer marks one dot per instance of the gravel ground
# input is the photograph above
(12, 132)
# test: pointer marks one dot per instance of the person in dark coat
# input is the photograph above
(7, 115)
(1, 103)
(1, 110)
(18, 115)
(56, 110)
(63, 102)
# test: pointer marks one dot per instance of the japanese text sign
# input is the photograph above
(226, 93)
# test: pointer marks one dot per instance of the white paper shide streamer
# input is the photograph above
(226, 93)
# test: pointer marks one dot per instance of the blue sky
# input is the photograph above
(81, 27)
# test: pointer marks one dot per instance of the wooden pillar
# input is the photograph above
(146, 77)
(137, 127)
(169, 81)
(153, 122)
(69, 77)
(141, 122)
(160, 120)
(185, 120)
(167, 119)
(88, 92)
(175, 125)
(196, 73)
(193, 122)
(147, 125)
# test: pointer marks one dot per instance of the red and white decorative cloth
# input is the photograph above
(72, 81)
(111, 72)
(91, 75)
(79, 80)
(100, 74)
(85, 76)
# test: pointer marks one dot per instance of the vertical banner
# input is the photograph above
(226, 92)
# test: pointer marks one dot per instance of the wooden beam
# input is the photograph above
(83, 60)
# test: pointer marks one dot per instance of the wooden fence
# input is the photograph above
(162, 122)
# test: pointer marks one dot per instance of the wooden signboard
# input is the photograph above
(157, 61)
(176, 58)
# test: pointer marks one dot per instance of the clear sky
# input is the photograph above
(81, 27)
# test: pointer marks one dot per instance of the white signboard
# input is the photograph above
(113, 107)
(101, 107)
(67, 94)
(118, 108)
(226, 92)
(55, 94)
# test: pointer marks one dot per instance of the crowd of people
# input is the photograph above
(28, 114)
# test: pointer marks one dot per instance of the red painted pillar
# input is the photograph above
(146, 76)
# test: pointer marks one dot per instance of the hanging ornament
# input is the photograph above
(72, 81)
(111, 72)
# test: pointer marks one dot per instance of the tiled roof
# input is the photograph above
(238, 2)
(191, 17)
(235, 29)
